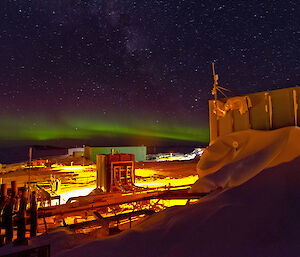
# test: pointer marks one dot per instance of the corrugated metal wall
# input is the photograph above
(270, 110)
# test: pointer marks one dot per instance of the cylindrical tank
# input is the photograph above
(14, 189)
(3, 190)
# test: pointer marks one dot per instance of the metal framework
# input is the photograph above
(106, 210)
(122, 175)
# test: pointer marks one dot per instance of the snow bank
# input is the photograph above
(256, 217)
(59, 240)
(235, 158)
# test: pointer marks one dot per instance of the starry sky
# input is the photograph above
(116, 69)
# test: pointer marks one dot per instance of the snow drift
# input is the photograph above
(235, 158)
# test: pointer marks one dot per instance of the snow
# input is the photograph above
(163, 157)
(59, 241)
(254, 208)
(64, 197)
(235, 158)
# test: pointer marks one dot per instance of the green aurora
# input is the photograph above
(41, 129)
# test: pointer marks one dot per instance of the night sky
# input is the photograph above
(120, 69)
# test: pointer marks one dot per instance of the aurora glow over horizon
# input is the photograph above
(122, 69)
(83, 128)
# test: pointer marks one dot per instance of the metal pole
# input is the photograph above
(29, 177)
(295, 107)
(215, 81)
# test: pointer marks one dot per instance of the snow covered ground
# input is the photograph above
(162, 157)
(253, 209)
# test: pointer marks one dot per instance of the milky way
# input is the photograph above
(136, 67)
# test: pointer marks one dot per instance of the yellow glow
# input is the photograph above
(169, 203)
(147, 178)
(167, 181)
(145, 172)
(72, 168)
(74, 193)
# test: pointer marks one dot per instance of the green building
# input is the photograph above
(140, 152)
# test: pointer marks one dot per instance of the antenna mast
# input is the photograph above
(214, 91)
(217, 88)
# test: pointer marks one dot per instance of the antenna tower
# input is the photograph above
(216, 87)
